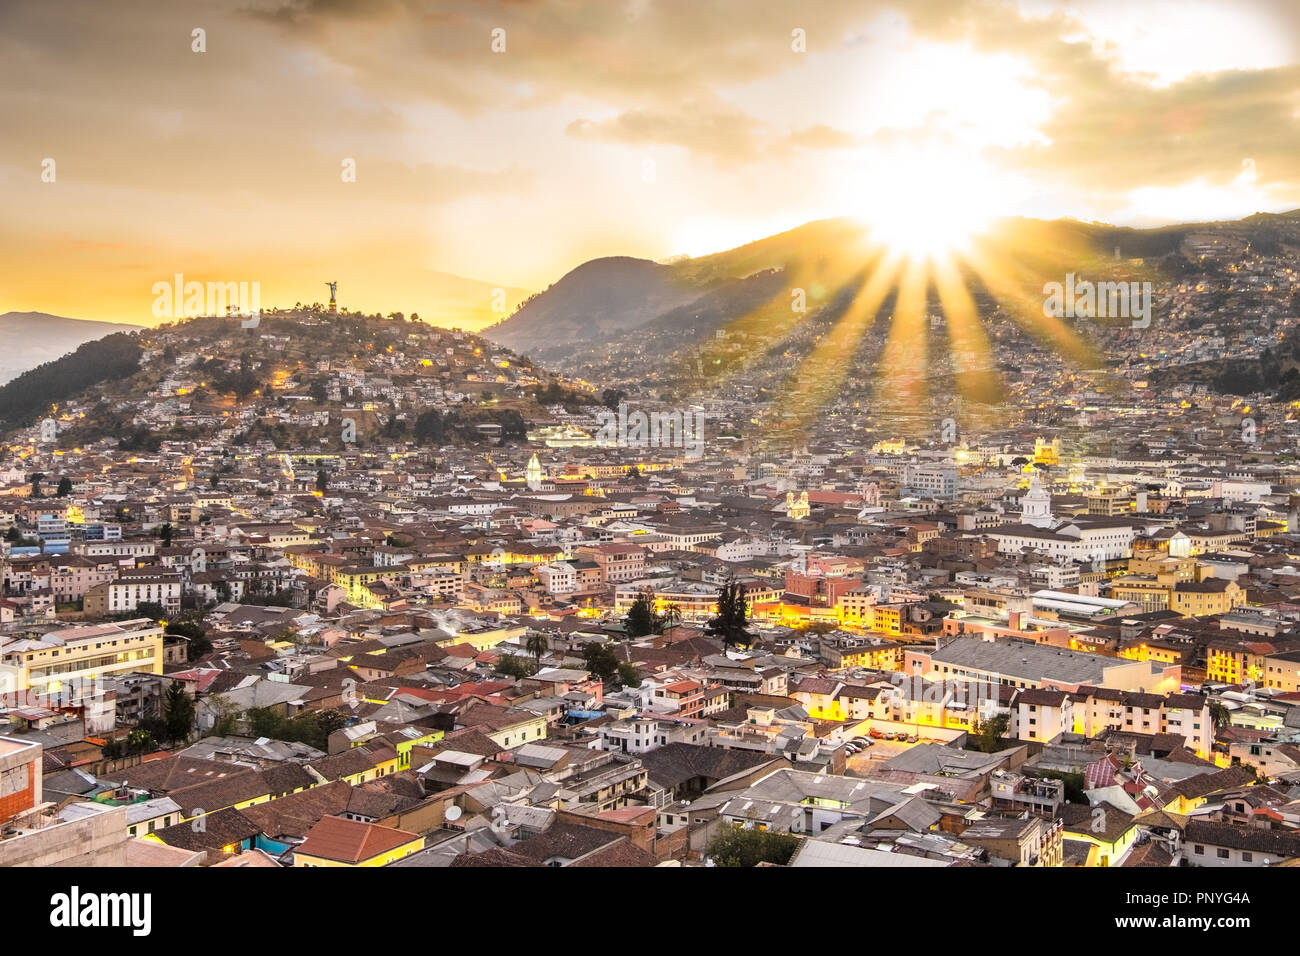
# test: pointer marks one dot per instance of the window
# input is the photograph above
(1199, 850)
(1223, 854)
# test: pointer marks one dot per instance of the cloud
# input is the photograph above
(821, 136)
(714, 130)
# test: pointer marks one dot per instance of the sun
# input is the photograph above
(928, 204)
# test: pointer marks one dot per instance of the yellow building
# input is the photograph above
(1212, 596)
(356, 580)
(335, 841)
(49, 662)
(1047, 452)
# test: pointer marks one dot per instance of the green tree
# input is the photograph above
(35, 478)
(1220, 716)
(672, 616)
(150, 609)
(178, 712)
(641, 617)
(516, 666)
(601, 661)
(227, 722)
(629, 675)
(165, 532)
(193, 632)
(65, 487)
(140, 741)
(987, 734)
(731, 623)
(735, 846)
(330, 721)
(322, 480)
(537, 645)
(264, 722)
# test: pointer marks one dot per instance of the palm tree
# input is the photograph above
(537, 645)
(1220, 716)
(672, 615)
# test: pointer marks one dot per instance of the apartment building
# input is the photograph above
(47, 662)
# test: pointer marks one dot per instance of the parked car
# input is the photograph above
(876, 734)
(912, 738)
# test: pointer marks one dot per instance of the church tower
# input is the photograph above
(533, 473)
(797, 509)
(1036, 505)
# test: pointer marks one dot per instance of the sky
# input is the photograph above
(507, 142)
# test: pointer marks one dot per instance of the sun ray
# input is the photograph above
(817, 283)
(823, 372)
(1023, 304)
(968, 343)
(902, 382)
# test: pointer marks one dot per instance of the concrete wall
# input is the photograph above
(96, 841)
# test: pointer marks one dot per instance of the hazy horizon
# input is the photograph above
(380, 144)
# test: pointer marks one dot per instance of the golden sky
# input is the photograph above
(605, 127)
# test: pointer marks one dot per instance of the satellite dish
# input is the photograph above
(453, 813)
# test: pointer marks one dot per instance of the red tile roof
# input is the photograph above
(348, 841)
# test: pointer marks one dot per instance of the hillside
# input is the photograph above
(29, 339)
(630, 321)
(602, 300)
(597, 299)
(289, 383)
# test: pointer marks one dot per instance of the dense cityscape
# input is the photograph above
(328, 589)
(474, 436)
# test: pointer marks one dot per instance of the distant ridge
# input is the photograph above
(617, 303)
(29, 339)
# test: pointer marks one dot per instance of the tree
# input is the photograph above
(165, 532)
(140, 741)
(227, 721)
(988, 734)
(601, 662)
(264, 722)
(1219, 714)
(193, 632)
(330, 721)
(35, 479)
(629, 675)
(515, 666)
(641, 617)
(735, 846)
(322, 481)
(65, 487)
(731, 624)
(537, 645)
(178, 712)
(672, 616)
(149, 609)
